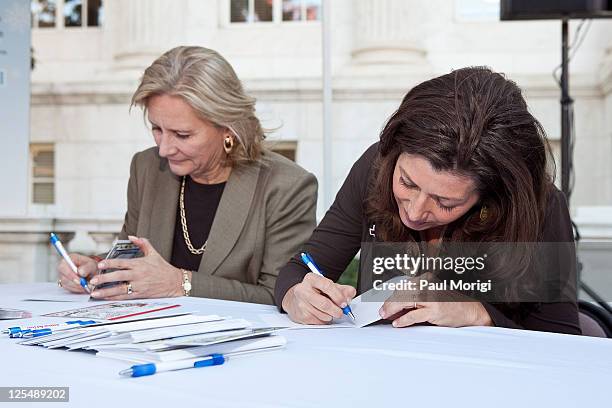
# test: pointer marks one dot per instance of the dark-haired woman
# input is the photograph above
(461, 160)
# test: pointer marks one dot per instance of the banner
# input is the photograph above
(14, 105)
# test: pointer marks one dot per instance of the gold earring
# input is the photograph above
(228, 144)
(484, 213)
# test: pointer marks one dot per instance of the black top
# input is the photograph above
(201, 202)
(338, 238)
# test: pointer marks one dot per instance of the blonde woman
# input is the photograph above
(215, 214)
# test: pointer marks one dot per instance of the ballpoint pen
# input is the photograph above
(141, 370)
(60, 250)
(307, 259)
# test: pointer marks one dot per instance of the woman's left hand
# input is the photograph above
(150, 276)
(450, 314)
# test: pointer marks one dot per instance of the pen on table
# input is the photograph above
(141, 370)
(29, 331)
(60, 250)
(307, 259)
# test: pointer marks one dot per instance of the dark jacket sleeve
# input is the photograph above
(337, 238)
(559, 317)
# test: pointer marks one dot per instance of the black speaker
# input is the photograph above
(554, 9)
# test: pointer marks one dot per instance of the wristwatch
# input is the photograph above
(186, 283)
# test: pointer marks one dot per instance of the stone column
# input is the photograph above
(25, 252)
(93, 235)
(143, 29)
(103, 240)
(389, 32)
(606, 86)
(605, 73)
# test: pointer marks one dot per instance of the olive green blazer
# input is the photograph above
(266, 212)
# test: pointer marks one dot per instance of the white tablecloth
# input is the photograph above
(371, 367)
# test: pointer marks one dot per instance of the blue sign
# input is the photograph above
(14, 105)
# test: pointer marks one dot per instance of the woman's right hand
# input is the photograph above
(316, 300)
(86, 266)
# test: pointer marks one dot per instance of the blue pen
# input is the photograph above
(307, 259)
(142, 370)
(60, 250)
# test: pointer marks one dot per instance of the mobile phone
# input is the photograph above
(122, 249)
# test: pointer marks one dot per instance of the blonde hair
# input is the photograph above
(208, 83)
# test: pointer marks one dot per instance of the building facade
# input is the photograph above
(89, 55)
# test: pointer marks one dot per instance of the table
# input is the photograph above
(377, 366)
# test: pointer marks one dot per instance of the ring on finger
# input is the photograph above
(129, 288)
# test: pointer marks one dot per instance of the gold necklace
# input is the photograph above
(193, 250)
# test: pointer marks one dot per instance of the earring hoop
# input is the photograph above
(484, 213)
(228, 144)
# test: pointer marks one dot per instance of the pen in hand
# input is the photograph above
(62, 252)
(309, 262)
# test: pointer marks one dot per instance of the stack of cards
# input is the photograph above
(165, 338)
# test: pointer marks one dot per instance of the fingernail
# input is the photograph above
(77, 281)
(343, 305)
(94, 294)
(101, 265)
(80, 272)
(381, 313)
(131, 237)
(94, 281)
(394, 324)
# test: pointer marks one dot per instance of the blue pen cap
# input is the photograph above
(306, 258)
(215, 359)
(143, 369)
(53, 239)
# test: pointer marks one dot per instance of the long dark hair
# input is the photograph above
(472, 122)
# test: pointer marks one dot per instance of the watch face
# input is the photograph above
(187, 286)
